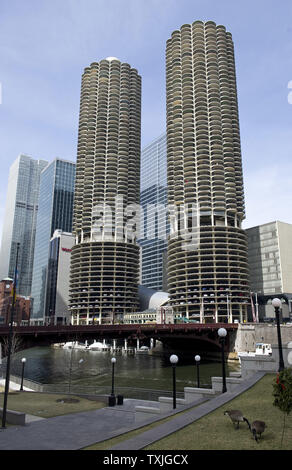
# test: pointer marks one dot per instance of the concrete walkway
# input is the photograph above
(182, 420)
(79, 430)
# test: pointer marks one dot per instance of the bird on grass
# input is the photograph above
(236, 416)
(257, 428)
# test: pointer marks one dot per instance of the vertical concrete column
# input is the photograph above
(201, 312)
(216, 314)
(230, 312)
(125, 344)
(138, 343)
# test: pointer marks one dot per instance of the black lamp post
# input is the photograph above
(173, 359)
(222, 333)
(277, 304)
(23, 360)
(10, 335)
(197, 359)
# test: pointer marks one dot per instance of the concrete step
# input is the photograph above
(179, 401)
(166, 403)
(147, 409)
(231, 383)
(14, 417)
(144, 412)
(193, 393)
(235, 374)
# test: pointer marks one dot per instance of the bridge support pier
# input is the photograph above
(240, 313)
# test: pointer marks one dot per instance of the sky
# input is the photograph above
(46, 44)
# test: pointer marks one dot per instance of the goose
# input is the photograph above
(236, 416)
(257, 428)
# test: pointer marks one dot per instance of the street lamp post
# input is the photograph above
(276, 304)
(222, 334)
(10, 335)
(173, 359)
(113, 361)
(23, 360)
(257, 306)
(197, 359)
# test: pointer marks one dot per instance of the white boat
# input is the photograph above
(143, 350)
(98, 346)
(74, 345)
(262, 349)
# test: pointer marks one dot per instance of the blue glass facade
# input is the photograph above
(55, 212)
(20, 220)
(155, 228)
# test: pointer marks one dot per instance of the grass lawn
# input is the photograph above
(216, 431)
(46, 404)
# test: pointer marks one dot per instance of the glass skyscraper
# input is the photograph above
(20, 220)
(154, 228)
(55, 212)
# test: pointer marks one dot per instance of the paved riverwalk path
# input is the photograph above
(78, 430)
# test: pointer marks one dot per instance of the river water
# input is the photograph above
(59, 366)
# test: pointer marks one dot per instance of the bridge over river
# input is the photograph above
(193, 336)
(205, 336)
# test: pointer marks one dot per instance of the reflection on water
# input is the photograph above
(48, 365)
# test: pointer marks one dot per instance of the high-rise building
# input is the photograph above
(270, 268)
(57, 298)
(208, 274)
(270, 258)
(105, 259)
(55, 212)
(154, 228)
(20, 221)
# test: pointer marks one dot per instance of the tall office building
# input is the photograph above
(154, 228)
(20, 220)
(57, 298)
(55, 212)
(105, 259)
(270, 258)
(208, 278)
(270, 268)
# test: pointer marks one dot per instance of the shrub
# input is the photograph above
(283, 394)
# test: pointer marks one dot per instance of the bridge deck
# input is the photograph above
(123, 328)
